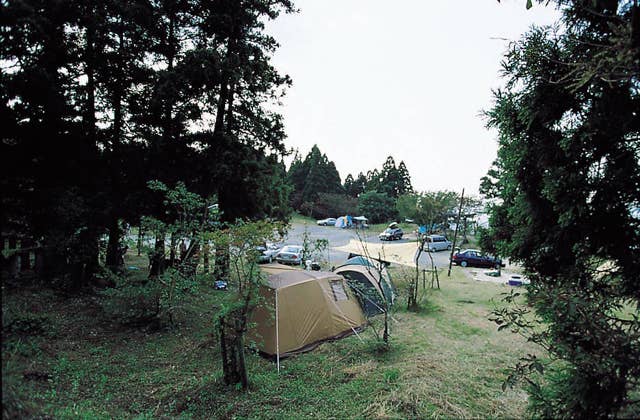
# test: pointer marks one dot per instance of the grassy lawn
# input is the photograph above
(447, 360)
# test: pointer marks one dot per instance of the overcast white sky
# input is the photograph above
(406, 78)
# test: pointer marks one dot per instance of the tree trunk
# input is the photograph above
(140, 235)
(242, 370)
(112, 259)
(205, 257)
(157, 258)
(412, 302)
(172, 250)
(231, 331)
(222, 270)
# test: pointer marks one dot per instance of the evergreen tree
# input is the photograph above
(390, 178)
(360, 183)
(315, 174)
(100, 97)
(568, 179)
(373, 181)
(349, 184)
(355, 187)
(47, 186)
(405, 186)
(394, 181)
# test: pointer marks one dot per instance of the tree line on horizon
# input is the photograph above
(319, 192)
(382, 195)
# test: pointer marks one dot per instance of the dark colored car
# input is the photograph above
(474, 258)
(391, 234)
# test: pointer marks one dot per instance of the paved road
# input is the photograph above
(343, 241)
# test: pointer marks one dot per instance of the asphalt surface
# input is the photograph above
(343, 241)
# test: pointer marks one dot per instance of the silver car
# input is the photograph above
(290, 254)
(434, 243)
(267, 252)
(327, 222)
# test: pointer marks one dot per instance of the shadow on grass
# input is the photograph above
(425, 307)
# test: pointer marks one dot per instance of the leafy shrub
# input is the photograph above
(25, 323)
(378, 207)
(136, 301)
(132, 301)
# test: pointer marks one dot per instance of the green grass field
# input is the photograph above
(448, 360)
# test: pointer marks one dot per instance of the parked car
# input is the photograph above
(360, 222)
(434, 243)
(327, 222)
(391, 233)
(290, 254)
(267, 252)
(474, 258)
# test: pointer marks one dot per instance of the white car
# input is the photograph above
(267, 252)
(290, 254)
(327, 222)
(434, 243)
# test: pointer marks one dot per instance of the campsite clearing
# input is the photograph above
(448, 360)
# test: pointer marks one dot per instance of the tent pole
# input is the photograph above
(357, 335)
(277, 335)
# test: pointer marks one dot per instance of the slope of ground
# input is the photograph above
(446, 361)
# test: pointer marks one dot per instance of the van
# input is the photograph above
(434, 243)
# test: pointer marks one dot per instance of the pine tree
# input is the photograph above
(568, 179)
(405, 186)
(315, 175)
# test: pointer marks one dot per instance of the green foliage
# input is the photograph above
(355, 187)
(14, 405)
(312, 250)
(239, 242)
(567, 180)
(25, 323)
(394, 181)
(133, 301)
(378, 207)
(428, 208)
(124, 94)
(330, 205)
(314, 175)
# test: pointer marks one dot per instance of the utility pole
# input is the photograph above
(455, 234)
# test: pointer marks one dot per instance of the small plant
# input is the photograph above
(239, 241)
(133, 302)
(26, 324)
(311, 249)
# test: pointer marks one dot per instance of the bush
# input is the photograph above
(378, 207)
(26, 324)
(132, 301)
(330, 205)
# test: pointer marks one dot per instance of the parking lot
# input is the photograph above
(364, 241)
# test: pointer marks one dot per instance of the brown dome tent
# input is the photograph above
(300, 309)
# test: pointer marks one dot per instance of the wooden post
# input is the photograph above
(455, 234)
(277, 334)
